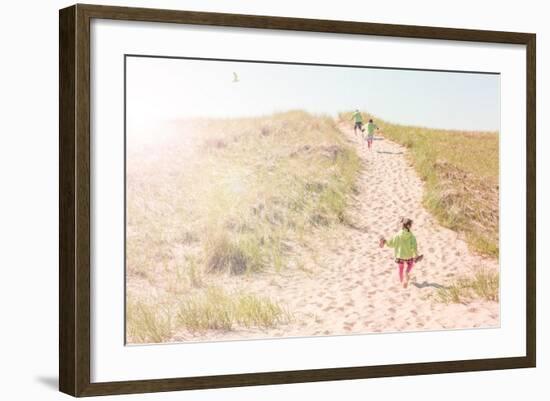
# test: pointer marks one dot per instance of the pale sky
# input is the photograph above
(160, 89)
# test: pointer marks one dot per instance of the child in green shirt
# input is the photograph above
(370, 132)
(405, 248)
(358, 121)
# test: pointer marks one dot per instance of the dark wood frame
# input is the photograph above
(74, 199)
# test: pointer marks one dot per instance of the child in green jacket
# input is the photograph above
(371, 126)
(358, 118)
(404, 244)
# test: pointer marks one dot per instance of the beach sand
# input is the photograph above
(349, 285)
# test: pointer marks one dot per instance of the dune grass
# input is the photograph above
(483, 285)
(148, 322)
(228, 197)
(153, 320)
(251, 188)
(217, 309)
(461, 174)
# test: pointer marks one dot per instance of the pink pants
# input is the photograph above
(369, 142)
(401, 264)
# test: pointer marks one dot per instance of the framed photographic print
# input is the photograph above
(250, 200)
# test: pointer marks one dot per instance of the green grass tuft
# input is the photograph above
(148, 322)
(216, 309)
(483, 285)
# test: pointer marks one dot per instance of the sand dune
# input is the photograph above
(350, 285)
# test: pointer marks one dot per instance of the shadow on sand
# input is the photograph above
(390, 153)
(425, 284)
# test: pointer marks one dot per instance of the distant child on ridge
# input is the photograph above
(404, 244)
(370, 132)
(358, 121)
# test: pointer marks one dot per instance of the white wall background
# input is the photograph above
(29, 185)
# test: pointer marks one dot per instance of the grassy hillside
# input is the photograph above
(461, 172)
(226, 197)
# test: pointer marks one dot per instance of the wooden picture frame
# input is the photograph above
(74, 199)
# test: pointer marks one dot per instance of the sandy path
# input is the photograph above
(351, 286)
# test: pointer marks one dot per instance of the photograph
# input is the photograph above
(268, 199)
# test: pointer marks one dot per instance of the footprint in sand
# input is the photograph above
(348, 326)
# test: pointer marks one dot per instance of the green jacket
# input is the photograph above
(370, 128)
(404, 244)
(357, 117)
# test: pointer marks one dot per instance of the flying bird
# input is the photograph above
(235, 77)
